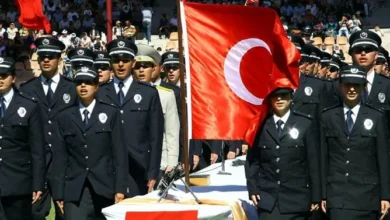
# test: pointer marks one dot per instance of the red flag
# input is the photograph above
(163, 215)
(31, 15)
(231, 65)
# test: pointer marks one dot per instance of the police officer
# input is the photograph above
(102, 64)
(53, 93)
(171, 67)
(141, 114)
(381, 61)
(282, 167)
(146, 60)
(323, 65)
(355, 166)
(80, 57)
(22, 148)
(90, 157)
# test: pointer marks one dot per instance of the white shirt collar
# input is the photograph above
(8, 97)
(55, 79)
(126, 84)
(158, 82)
(370, 76)
(355, 110)
(90, 108)
(283, 118)
(178, 84)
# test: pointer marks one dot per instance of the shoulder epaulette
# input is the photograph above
(303, 114)
(373, 107)
(145, 84)
(26, 96)
(28, 81)
(330, 107)
(164, 88)
(106, 103)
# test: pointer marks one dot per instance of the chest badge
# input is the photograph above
(137, 98)
(103, 117)
(66, 98)
(382, 97)
(22, 112)
(294, 133)
(368, 124)
(308, 90)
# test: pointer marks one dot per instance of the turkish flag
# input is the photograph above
(163, 215)
(31, 15)
(235, 54)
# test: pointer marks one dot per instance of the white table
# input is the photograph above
(226, 187)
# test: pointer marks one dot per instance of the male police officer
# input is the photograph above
(141, 114)
(102, 64)
(354, 159)
(282, 167)
(22, 151)
(146, 61)
(54, 93)
(90, 157)
(381, 60)
(80, 57)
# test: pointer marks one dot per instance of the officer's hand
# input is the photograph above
(119, 197)
(254, 199)
(323, 206)
(384, 208)
(169, 169)
(314, 207)
(196, 161)
(231, 155)
(244, 148)
(150, 185)
(36, 196)
(213, 158)
(60, 205)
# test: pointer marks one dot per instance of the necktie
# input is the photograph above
(49, 94)
(2, 106)
(350, 122)
(279, 124)
(86, 113)
(365, 95)
(121, 95)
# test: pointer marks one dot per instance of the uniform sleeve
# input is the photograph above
(216, 146)
(119, 153)
(60, 162)
(323, 157)
(252, 170)
(313, 157)
(383, 157)
(172, 129)
(38, 153)
(156, 129)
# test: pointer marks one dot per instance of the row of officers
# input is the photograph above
(323, 151)
(91, 141)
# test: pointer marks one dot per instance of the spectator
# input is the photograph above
(93, 33)
(2, 15)
(354, 24)
(65, 38)
(51, 7)
(117, 30)
(23, 32)
(12, 30)
(98, 44)
(11, 14)
(85, 41)
(64, 6)
(299, 9)
(163, 27)
(2, 30)
(87, 23)
(64, 24)
(76, 23)
(331, 27)
(337, 52)
(312, 7)
(344, 26)
(173, 23)
(58, 15)
(147, 13)
(72, 13)
(377, 30)
(286, 10)
(88, 11)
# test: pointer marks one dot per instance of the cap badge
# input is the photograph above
(368, 124)
(381, 97)
(354, 70)
(170, 55)
(66, 98)
(103, 117)
(101, 55)
(121, 44)
(84, 69)
(363, 35)
(308, 90)
(1, 59)
(294, 133)
(137, 98)
(46, 42)
(80, 52)
(22, 112)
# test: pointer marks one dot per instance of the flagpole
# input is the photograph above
(109, 20)
(183, 96)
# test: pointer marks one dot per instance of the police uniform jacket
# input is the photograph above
(64, 96)
(22, 148)
(95, 152)
(170, 149)
(143, 121)
(354, 165)
(285, 169)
